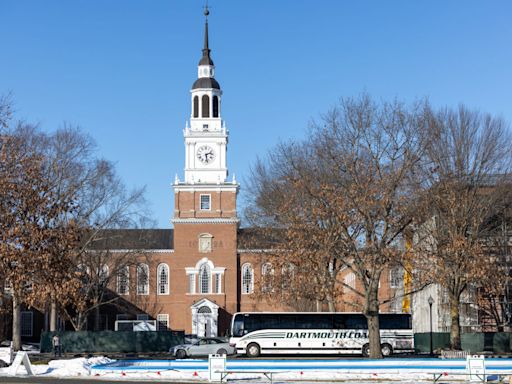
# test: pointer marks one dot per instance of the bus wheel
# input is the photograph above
(253, 350)
(366, 350)
(386, 349)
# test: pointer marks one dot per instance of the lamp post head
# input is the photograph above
(430, 300)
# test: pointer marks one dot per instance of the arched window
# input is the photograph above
(123, 281)
(103, 274)
(287, 275)
(162, 275)
(215, 106)
(350, 281)
(205, 101)
(196, 106)
(204, 309)
(204, 279)
(142, 279)
(247, 279)
(267, 275)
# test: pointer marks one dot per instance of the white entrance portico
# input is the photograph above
(205, 314)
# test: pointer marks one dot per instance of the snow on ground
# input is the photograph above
(303, 371)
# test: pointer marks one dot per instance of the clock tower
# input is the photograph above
(205, 217)
(206, 139)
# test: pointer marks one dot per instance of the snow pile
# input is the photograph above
(75, 367)
(61, 368)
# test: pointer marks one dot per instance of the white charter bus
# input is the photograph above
(265, 333)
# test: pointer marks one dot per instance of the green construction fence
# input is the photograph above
(499, 343)
(113, 341)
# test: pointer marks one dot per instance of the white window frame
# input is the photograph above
(350, 280)
(103, 273)
(123, 272)
(162, 289)
(247, 286)
(142, 290)
(192, 283)
(396, 277)
(193, 273)
(267, 277)
(27, 318)
(287, 275)
(201, 202)
(217, 283)
(162, 322)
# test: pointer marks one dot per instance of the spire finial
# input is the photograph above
(206, 11)
(206, 60)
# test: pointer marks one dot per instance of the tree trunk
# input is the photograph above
(455, 322)
(372, 315)
(318, 306)
(53, 315)
(330, 303)
(16, 323)
(97, 318)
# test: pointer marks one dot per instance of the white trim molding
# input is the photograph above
(194, 220)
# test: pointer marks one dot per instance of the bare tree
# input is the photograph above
(344, 198)
(102, 201)
(464, 176)
(5, 111)
(31, 226)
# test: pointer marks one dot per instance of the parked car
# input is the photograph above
(202, 347)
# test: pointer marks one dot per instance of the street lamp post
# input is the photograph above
(430, 302)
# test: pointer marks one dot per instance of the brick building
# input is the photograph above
(195, 276)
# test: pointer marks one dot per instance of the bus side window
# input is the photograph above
(339, 321)
(356, 321)
(287, 322)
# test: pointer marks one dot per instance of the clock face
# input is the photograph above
(205, 154)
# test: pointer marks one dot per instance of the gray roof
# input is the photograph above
(206, 82)
(133, 239)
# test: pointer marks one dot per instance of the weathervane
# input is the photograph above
(206, 11)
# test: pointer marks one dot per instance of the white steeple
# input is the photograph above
(206, 137)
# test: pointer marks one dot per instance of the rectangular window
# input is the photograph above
(396, 277)
(123, 281)
(217, 283)
(162, 322)
(142, 316)
(122, 316)
(192, 283)
(205, 202)
(26, 324)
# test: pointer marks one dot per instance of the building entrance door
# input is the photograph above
(204, 319)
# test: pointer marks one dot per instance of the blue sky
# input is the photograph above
(122, 69)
